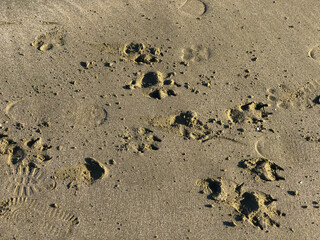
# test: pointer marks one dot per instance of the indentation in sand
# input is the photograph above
(314, 53)
(195, 53)
(263, 168)
(195, 8)
(136, 52)
(30, 152)
(30, 215)
(26, 181)
(139, 140)
(304, 97)
(185, 124)
(154, 85)
(251, 112)
(49, 40)
(256, 207)
(86, 173)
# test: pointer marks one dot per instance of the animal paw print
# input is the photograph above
(264, 169)
(256, 207)
(49, 40)
(136, 52)
(154, 85)
(139, 53)
(28, 153)
(195, 54)
(185, 124)
(251, 112)
(139, 140)
(305, 97)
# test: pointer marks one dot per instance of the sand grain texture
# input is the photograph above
(171, 119)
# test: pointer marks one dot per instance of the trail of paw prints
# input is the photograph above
(28, 215)
(27, 181)
(30, 152)
(304, 97)
(83, 173)
(256, 207)
(154, 85)
(195, 54)
(139, 53)
(262, 168)
(139, 140)
(49, 40)
(195, 8)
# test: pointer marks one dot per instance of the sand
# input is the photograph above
(171, 119)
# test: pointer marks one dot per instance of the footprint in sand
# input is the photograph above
(26, 181)
(274, 146)
(83, 173)
(154, 85)
(263, 168)
(78, 112)
(49, 40)
(139, 140)
(314, 53)
(29, 216)
(196, 53)
(304, 97)
(195, 8)
(256, 207)
(87, 115)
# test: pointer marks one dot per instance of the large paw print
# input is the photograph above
(154, 85)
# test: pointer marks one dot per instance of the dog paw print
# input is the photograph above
(306, 96)
(49, 40)
(154, 85)
(251, 112)
(262, 168)
(275, 98)
(195, 54)
(139, 140)
(139, 53)
(29, 153)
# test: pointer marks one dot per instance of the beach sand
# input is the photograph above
(171, 119)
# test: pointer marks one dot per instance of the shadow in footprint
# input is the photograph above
(95, 169)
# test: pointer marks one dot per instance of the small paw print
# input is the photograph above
(195, 53)
(49, 40)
